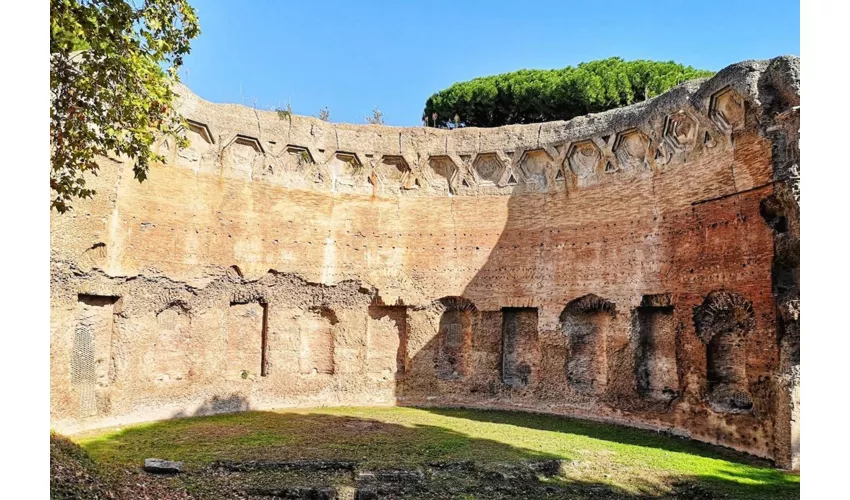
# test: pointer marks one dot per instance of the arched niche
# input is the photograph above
(722, 322)
(454, 338)
(586, 322)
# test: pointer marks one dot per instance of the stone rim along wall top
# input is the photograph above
(638, 265)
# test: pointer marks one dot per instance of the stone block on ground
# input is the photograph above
(160, 466)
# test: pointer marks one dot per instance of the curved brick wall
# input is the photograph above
(637, 265)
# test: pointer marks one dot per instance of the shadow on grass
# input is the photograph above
(293, 435)
(464, 458)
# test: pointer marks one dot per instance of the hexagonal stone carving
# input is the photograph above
(395, 170)
(299, 159)
(199, 153)
(251, 142)
(349, 158)
(300, 154)
(345, 167)
(680, 131)
(533, 166)
(201, 129)
(583, 158)
(726, 109)
(630, 148)
(444, 170)
(242, 155)
(489, 168)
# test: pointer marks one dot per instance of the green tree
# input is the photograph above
(528, 96)
(112, 67)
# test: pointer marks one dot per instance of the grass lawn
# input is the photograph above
(627, 461)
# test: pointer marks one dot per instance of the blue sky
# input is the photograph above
(354, 55)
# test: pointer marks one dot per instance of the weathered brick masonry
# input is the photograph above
(639, 266)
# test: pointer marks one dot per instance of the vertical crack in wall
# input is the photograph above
(544, 246)
(735, 180)
(454, 227)
(264, 343)
(113, 230)
(260, 127)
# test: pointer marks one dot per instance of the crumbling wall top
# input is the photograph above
(690, 116)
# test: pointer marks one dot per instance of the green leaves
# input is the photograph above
(114, 96)
(528, 96)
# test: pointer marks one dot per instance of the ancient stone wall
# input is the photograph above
(639, 265)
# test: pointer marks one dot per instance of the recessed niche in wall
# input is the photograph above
(91, 352)
(386, 341)
(454, 338)
(655, 364)
(317, 342)
(722, 322)
(586, 322)
(170, 357)
(519, 345)
(246, 340)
